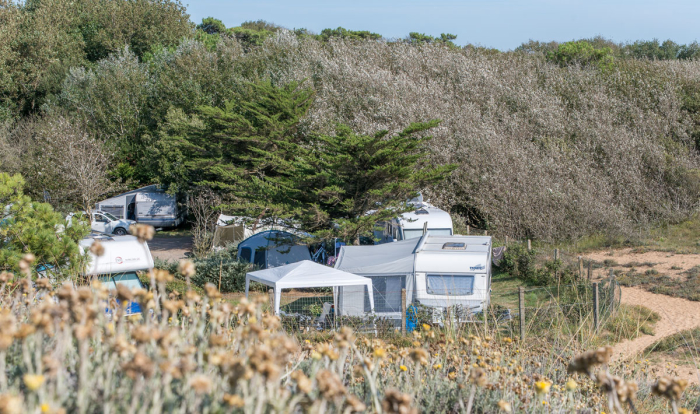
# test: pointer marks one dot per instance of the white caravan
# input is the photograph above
(412, 224)
(124, 257)
(147, 205)
(436, 271)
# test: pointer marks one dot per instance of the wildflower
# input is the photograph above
(542, 387)
(234, 401)
(477, 376)
(669, 388)
(426, 327)
(201, 384)
(504, 406)
(437, 366)
(584, 362)
(33, 382)
(11, 404)
(186, 268)
(45, 408)
(303, 382)
(329, 384)
(211, 291)
(355, 405)
(396, 402)
(5, 276)
(403, 368)
(379, 353)
(507, 340)
(97, 248)
(43, 283)
(316, 355)
(571, 384)
(143, 232)
(419, 355)
(124, 293)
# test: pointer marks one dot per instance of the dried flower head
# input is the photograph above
(33, 382)
(329, 384)
(669, 388)
(11, 404)
(201, 384)
(97, 248)
(419, 355)
(143, 232)
(504, 406)
(186, 268)
(396, 402)
(583, 363)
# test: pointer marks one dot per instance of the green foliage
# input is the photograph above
(421, 38)
(528, 267)
(340, 32)
(220, 264)
(357, 174)
(211, 25)
(581, 53)
(28, 227)
(252, 34)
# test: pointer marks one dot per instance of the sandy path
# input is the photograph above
(676, 315)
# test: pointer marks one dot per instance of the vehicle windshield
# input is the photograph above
(130, 279)
(110, 216)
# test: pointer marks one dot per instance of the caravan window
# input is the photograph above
(246, 253)
(387, 293)
(450, 285)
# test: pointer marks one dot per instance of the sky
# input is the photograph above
(502, 24)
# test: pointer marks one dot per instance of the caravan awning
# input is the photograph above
(389, 258)
(305, 274)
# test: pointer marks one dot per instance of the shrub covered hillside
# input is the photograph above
(544, 151)
(552, 141)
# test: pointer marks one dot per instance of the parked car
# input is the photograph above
(105, 222)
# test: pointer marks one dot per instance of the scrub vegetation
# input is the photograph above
(583, 143)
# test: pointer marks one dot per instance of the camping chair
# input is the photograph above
(322, 321)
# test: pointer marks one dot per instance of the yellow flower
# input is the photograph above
(315, 355)
(403, 368)
(504, 406)
(426, 327)
(542, 387)
(33, 382)
(44, 408)
(437, 366)
(544, 402)
(379, 352)
(571, 384)
(683, 410)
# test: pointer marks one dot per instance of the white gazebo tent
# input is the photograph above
(307, 274)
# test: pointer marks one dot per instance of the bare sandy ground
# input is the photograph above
(667, 263)
(676, 314)
(170, 247)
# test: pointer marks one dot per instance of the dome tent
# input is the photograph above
(272, 248)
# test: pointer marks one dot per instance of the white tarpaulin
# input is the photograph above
(306, 274)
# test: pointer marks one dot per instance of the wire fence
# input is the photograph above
(519, 313)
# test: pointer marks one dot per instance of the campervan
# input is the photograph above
(147, 205)
(437, 271)
(124, 257)
(413, 224)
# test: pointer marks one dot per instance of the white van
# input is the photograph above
(147, 205)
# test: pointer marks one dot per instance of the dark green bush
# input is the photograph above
(524, 265)
(221, 265)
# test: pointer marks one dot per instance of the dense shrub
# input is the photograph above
(528, 266)
(221, 265)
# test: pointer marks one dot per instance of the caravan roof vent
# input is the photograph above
(454, 246)
(422, 211)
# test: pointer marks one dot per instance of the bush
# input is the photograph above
(221, 265)
(524, 265)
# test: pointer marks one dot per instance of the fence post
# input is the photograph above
(596, 315)
(521, 311)
(467, 229)
(271, 294)
(529, 245)
(556, 254)
(486, 232)
(403, 311)
(580, 268)
(589, 270)
(612, 291)
(506, 240)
